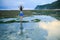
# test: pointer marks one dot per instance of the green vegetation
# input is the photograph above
(14, 13)
(36, 20)
(12, 21)
(54, 5)
(51, 12)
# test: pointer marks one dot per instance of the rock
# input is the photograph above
(36, 20)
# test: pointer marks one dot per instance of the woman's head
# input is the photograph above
(21, 8)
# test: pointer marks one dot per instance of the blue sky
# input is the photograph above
(28, 4)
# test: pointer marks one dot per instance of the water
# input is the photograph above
(47, 29)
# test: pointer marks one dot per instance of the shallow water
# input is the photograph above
(47, 29)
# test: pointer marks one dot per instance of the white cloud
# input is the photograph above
(20, 3)
(27, 8)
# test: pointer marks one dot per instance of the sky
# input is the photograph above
(27, 4)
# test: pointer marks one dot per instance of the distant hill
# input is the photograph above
(54, 5)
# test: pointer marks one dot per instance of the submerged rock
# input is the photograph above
(36, 20)
(12, 21)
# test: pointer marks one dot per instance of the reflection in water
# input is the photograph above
(53, 29)
(46, 29)
(31, 32)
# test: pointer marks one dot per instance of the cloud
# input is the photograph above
(13, 4)
(41, 2)
(27, 8)
(10, 4)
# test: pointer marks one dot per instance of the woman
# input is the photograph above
(21, 13)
